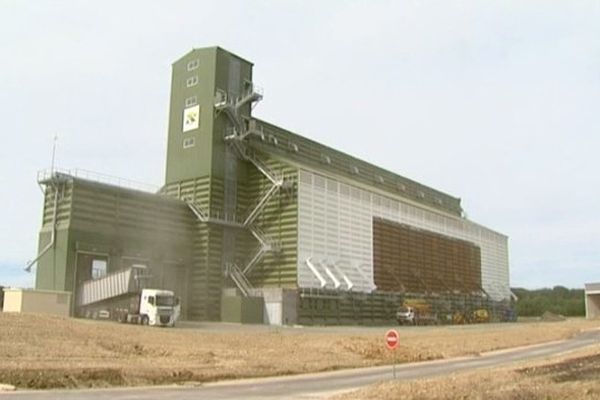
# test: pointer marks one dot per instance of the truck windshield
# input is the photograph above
(165, 301)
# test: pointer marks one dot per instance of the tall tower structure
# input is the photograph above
(195, 146)
(202, 169)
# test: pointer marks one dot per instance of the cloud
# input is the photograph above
(494, 102)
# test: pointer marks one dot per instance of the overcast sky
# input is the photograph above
(496, 102)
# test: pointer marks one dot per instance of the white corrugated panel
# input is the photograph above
(335, 228)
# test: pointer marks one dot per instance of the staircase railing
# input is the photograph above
(239, 279)
(236, 135)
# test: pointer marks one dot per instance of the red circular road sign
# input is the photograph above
(392, 339)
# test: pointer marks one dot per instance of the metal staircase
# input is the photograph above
(266, 244)
(241, 128)
(238, 277)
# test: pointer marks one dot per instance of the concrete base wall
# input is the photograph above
(245, 310)
(281, 306)
(37, 301)
(592, 306)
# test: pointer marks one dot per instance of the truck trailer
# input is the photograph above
(122, 296)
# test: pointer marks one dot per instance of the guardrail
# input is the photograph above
(48, 174)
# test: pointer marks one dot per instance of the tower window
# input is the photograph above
(192, 65)
(189, 142)
(191, 101)
(191, 81)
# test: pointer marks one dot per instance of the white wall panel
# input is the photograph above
(335, 232)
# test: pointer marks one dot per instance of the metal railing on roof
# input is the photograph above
(47, 175)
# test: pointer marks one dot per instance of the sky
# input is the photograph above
(495, 102)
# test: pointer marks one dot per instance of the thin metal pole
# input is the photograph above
(53, 153)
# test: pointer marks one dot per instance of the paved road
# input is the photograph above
(315, 386)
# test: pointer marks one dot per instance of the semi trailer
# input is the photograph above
(122, 296)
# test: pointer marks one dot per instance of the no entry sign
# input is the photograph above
(392, 339)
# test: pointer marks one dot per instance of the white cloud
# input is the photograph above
(495, 102)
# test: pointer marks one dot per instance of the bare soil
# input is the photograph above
(574, 376)
(41, 351)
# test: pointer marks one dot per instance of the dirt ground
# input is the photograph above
(40, 351)
(574, 376)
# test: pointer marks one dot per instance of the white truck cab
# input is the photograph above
(159, 307)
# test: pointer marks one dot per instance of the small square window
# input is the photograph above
(191, 101)
(191, 81)
(189, 142)
(99, 268)
(192, 65)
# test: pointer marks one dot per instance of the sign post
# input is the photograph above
(392, 339)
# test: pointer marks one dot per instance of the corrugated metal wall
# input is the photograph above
(278, 221)
(334, 235)
(307, 152)
(328, 307)
(325, 209)
(206, 272)
(116, 224)
(407, 259)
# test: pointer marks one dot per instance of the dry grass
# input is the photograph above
(39, 351)
(575, 376)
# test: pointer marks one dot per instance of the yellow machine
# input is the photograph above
(416, 312)
(481, 315)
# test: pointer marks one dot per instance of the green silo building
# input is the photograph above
(258, 224)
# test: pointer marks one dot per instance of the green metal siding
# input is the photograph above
(117, 222)
(329, 307)
(183, 164)
(206, 272)
(315, 155)
(279, 221)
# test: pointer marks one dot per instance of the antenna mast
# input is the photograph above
(53, 153)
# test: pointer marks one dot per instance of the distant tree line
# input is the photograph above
(558, 300)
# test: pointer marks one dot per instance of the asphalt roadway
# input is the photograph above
(318, 385)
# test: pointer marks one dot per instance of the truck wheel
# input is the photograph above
(145, 320)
